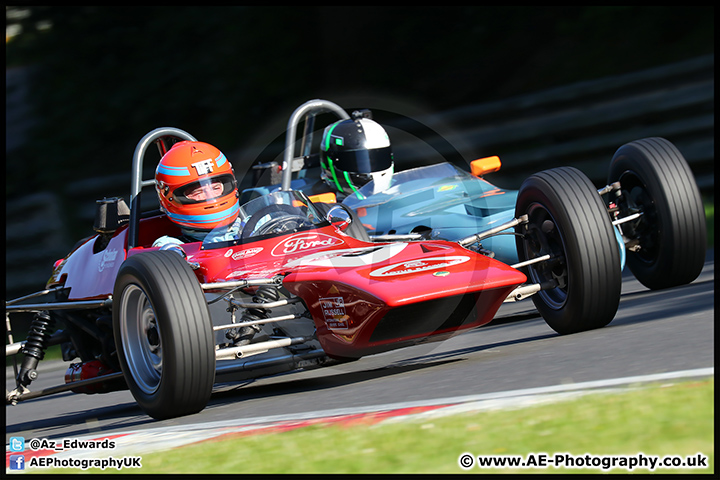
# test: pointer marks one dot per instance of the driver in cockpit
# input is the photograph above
(353, 152)
(197, 190)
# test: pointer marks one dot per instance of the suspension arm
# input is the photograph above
(477, 237)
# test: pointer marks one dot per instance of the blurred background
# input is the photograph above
(538, 86)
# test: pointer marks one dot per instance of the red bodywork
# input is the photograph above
(363, 297)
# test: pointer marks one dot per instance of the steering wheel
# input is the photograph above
(283, 218)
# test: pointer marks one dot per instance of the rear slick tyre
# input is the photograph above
(567, 220)
(163, 334)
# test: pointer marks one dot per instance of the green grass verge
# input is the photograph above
(655, 420)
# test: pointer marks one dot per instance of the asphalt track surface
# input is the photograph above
(653, 332)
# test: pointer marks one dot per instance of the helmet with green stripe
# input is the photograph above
(353, 152)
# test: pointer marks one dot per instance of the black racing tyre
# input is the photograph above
(656, 180)
(163, 334)
(568, 220)
(355, 229)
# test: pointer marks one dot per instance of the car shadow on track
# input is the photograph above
(335, 379)
(250, 390)
(463, 352)
(682, 302)
(86, 422)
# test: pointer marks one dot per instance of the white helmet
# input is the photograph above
(355, 151)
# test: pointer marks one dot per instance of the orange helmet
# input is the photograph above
(196, 186)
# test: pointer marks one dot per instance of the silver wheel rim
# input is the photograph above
(141, 342)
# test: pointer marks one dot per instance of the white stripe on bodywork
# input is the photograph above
(350, 257)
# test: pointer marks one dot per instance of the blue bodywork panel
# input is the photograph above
(443, 198)
(448, 200)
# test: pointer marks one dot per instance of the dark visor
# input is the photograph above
(363, 161)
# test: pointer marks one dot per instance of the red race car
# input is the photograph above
(297, 285)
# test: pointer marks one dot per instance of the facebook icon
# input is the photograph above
(17, 462)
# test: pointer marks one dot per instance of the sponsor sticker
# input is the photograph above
(415, 266)
(203, 167)
(247, 253)
(107, 260)
(333, 309)
(304, 242)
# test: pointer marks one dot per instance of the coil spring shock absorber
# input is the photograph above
(35, 346)
(243, 335)
(266, 294)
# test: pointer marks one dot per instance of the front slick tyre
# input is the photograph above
(656, 181)
(163, 334)
(567, 220)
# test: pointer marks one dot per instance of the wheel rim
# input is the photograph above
(543, 238)
(646, 229)
(141, 342)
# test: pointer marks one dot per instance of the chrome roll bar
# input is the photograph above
(307, 110)
(137, 183)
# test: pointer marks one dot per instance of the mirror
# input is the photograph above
(339, 218)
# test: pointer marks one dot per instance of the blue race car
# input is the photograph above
(556, 227)
(440, 201)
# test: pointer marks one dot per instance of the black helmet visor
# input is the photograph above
(362, 161)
